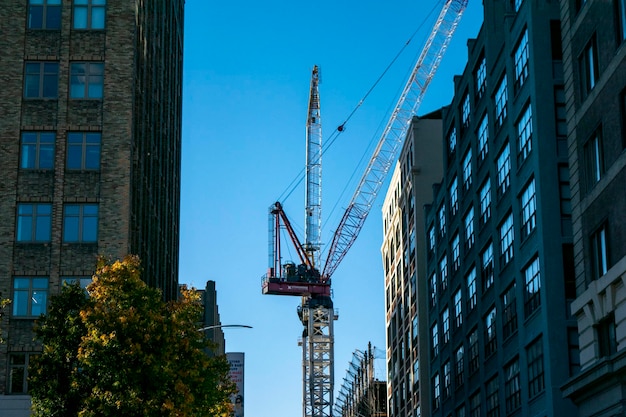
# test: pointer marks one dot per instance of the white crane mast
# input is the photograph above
(394, 134)
(313, 180)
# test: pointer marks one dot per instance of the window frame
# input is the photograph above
(532, 286)
(32, 151)
(509, 311)
(88, 83)
(490, 332)
(501, 100)
(588, 67)
(459, 366)
(91, 8)
(521, 55)
(485, 201)
(503, 164)
(536, 369)
(458, 308)
(454, 196)
(491, 397)
(594, 158)
(40, 74)
(50, 9)
(599, 246)
(467, 170)
(487, 266)
(38, 219)
(472, 291)
(34, 293)
(528, 203)
(19, 366)
(82, 227)
(512, 386)
(524, 129)
(507, 239)
(90, 146)
(468, 223)
(481, 77)
(483, 138)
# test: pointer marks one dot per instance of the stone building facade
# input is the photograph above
(90, 149)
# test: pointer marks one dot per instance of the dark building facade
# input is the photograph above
(90, 147)
(499, 237)
(594, 49)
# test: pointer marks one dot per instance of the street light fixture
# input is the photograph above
(221, 326)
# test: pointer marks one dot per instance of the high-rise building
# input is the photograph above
(404, 264)
(594, 52)
(90, 148)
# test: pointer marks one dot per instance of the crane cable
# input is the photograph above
(341, 128)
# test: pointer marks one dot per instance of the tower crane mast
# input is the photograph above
(316, 311)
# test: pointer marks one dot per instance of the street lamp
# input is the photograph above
(221, 326)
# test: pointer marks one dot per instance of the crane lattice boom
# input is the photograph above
(394, 134)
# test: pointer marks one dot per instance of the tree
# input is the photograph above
(121, 350)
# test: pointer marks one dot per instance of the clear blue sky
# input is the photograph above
(247, 70)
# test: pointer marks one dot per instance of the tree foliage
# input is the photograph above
(121, 351)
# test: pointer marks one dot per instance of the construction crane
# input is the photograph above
(307, 279)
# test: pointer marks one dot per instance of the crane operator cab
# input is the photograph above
(300, 273)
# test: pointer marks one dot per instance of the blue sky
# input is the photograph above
(247, 71)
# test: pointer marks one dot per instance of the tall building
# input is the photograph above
(594, 48)
(499, 231)
(90, 146)
(211, 318)
(404, 264)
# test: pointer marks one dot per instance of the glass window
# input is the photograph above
(89, 14)
(524, 134)
(44, 14)
(504, 170)
(445, 321)
(467, 170)
(534, 357)
(465, 111)
(506, 239)
(83, 150)
(487, 266)
(521, 60)
(80, 223)
(433, 289)
(447, 379)
(471, 289)
(483, 138)
(481, 77)
(588, 64)
(485, 201)
(509, 313)
(458, 313)
(436, 392)
(599, 252)
(87, 80)
(41, 80)
(454, 196)
(490, 332)
(474, 361)
(431, 239)
(468, 221)
(459, 367)
(532, 295)
(434, 332)
(37, 150)
(594, 158)
(501, 100)
(529, 209)
(475, 405)
(456, 252)
(82, 281)
(620, 7)
(443, 271)
(18, 372)
(442, 220)
(30, 296)
(34, 222)
(491, 388)
(512, 386)
(452, 141)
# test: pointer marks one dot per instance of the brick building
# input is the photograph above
(90, 146)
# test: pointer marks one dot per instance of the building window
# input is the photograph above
(491, 391)
(512, 386)
(465, 111)
(433, 289)
(481, 77)
(620, 14)
(605, 332)
(459, 367)
(524, 134)
(447, 380)
(529, 209)
(534, 358)
(18, 372)
(506, 240)
(485, 201)
(501, 100)
(532, 280)
(83, 151)
(521, 60)
(594, 158)
(452, 141)
(456, 252)
(474, 355)
(434, 332)
(490, 333)
(573, 349)
(475, 405)
(82, 281)
(445, 320)
(483, 138)
(467, 170)
(599, 252)
(87, 80)
(44, 14)
(37, 150)
(588, 63)
(504, 170)
(89, 14)
(80, 223)
(442, 221)
(509, 312)
(436, 392)
(468, 221)
(454, 196)
(487, 266)
(458, 313)
(471, 289)
(41, 80)
(443, 271)
(416, 371)
(431, 239)
(34, 222)
(30, 296)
